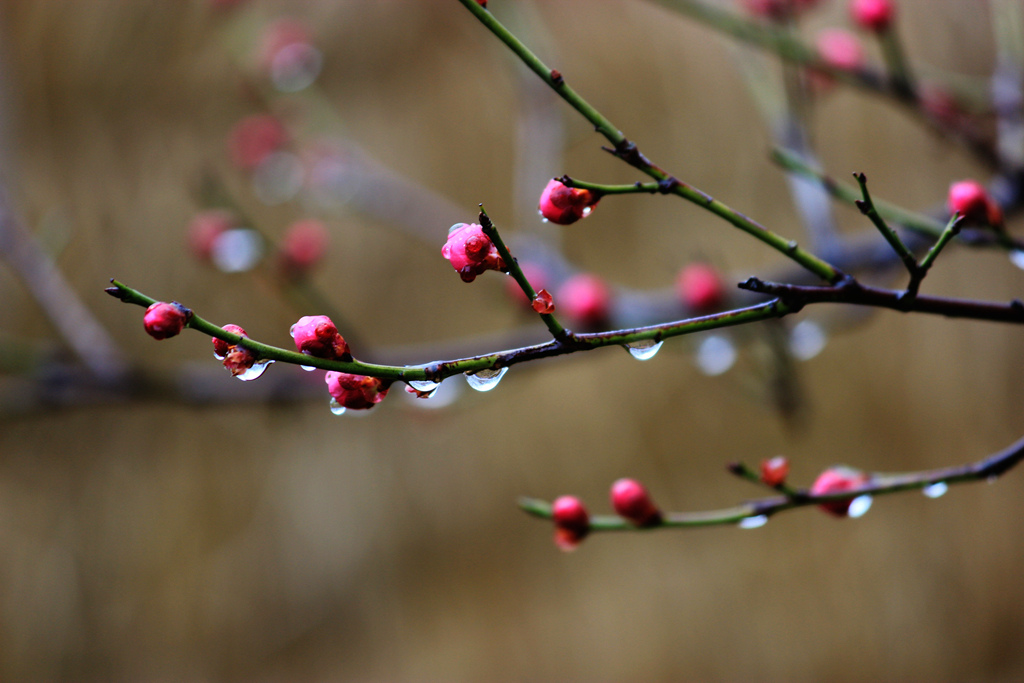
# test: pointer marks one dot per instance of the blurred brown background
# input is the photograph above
(148, 540)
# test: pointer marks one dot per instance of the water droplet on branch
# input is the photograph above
(424, 388)
(1017, 258)
(754, 522)
(645, 349)
(337, 408)
(485, 380)
(257, 369)
(935, 490)
(859, 506)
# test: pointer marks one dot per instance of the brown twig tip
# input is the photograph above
(736, 467)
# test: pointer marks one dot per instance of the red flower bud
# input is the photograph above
(303, 245)
(572, 522)
(836, 480)
(221, 347)
(586, 300)
(700, 288)
(632, 501)
(470, 251)
(544, 303)
(971, 200)
(356, 392)
(163, 320)
(317, 336)
(566, 205)
(774, 470)
(254, 138)
(872, 15)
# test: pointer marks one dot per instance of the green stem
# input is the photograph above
(439, 370)
(628, 152)
(877, 484)
(951, 231)
(867, 207)
(489, 229)
(896, 64)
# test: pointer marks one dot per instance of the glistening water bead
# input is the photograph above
(257, 369)
(935, 490)
(859, 506)
(754, 522)
(426, 388)
(645, 349)
(485, 380)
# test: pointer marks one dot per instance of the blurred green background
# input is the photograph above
(151, 540)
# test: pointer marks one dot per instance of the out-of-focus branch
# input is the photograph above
(83, 334)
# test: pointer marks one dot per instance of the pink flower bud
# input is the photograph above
(470, 251)
(971, 200)
(585, 299)
(700, 288)
(837, 480)
(221, 347)
(774, 470)
(204, 230)
(566, 205)
(254, 138)
(632, 501)
(303, 245)
(840, 49)
(163, 320)
(572, 522)
(544, 303)
(356, 392)
(872, 15)
(317, 336)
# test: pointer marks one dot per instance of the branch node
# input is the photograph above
(556, 77)
(668, 185)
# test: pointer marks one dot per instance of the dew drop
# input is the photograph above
(237, 250)
(936, 490)
(307, 368)
(1017, 258)
(485, 380)
(257, 370)
(444, 395)
(645, 349)
(218, 356)
(291, 330)
(716, 354)
(806, 340)
(587, 210)
(753, 522)
(424, 388)
(337, 408)
(859, 506)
